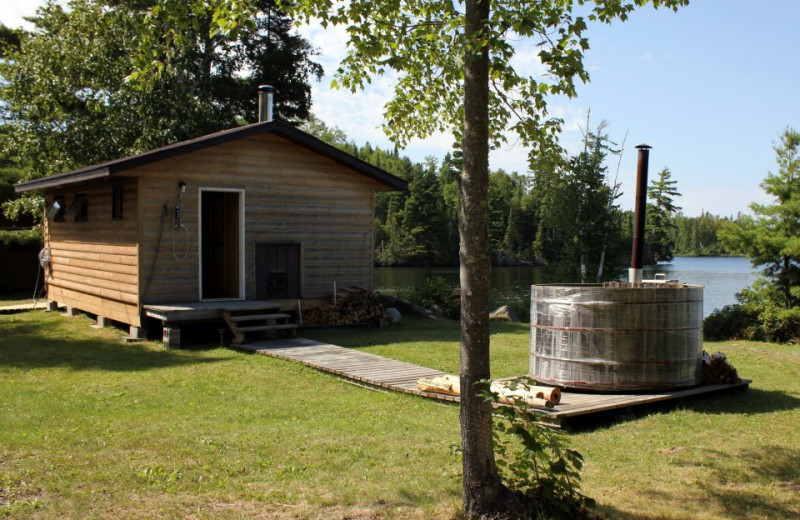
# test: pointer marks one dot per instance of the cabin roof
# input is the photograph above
(277, 127)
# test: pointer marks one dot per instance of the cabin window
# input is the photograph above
(116, 202)
(57, 209)
(79, 208)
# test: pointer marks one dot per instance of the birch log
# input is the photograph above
(541, 396)
(548, 393)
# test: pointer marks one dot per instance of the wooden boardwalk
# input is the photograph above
(360, 367)
(379, 372)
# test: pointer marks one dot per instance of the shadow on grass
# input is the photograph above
(30, 346)
(612, 513)
(735, 486)
(412, 496)
(744, 401)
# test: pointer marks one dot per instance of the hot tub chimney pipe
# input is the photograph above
(266, 95)
(637, 252)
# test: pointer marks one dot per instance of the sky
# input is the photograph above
(710, 88)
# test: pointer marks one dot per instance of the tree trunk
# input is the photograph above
(602, 260)
(783, 280)
(481, 484)
(583, 267)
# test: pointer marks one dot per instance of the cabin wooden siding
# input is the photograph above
(290, 195)
(95, 263)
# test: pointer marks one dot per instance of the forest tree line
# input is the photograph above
(565, 213)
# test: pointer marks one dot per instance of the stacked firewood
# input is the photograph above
(353, 305)
(718, 370)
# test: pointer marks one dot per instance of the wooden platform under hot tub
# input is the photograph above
(576, 404)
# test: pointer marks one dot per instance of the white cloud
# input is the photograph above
(331, 42)
(511, 157)
(526, 60)
(360, 114)
(12, 13)
(574, 117)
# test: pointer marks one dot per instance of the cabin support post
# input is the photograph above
(171, 337)
(52, 306)
(71, 311)
(100, 322)
(136, 333)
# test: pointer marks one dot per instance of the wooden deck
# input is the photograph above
(197, 311)
(379, 372)
(576, 404)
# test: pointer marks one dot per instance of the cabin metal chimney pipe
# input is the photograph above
(266, 96)
(637, 252)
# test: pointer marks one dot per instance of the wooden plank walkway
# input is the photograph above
(360, 367)
(379, 372)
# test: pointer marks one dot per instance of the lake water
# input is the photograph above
(721, 277)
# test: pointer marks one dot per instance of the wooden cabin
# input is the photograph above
(260, 213)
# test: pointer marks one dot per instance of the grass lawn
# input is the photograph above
(94, 428)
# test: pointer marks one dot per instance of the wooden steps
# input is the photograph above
(277, 326)
(276, 315)
(257, 320)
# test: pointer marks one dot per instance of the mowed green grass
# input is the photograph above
(734, 455)
(91, 427)
(95, 428)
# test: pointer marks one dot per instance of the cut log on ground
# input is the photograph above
(508, 392)
(447, 385)
(509, 388)
(514, 397)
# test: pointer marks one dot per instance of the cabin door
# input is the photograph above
(221, 237)
(277, 271)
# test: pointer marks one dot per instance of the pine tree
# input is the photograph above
(578, 215)
(772, 238)
(661, 208)
(424, 212)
